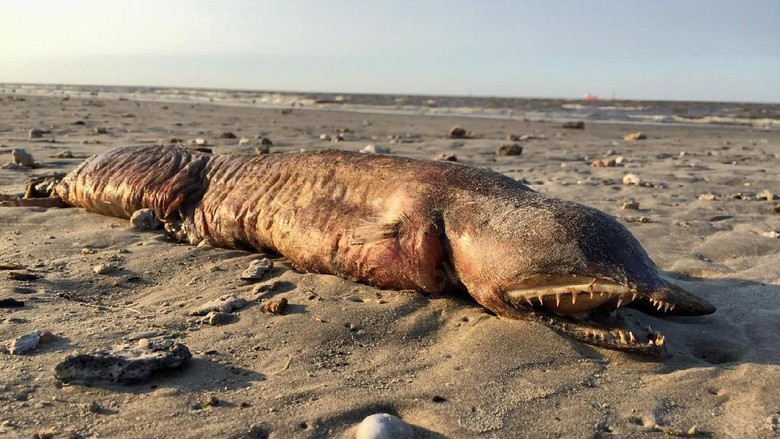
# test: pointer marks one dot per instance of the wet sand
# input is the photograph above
(344, 350)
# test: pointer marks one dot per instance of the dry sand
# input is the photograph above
(344, 350)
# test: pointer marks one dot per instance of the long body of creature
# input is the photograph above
(396, 223)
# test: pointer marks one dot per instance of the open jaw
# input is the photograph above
(584, 308)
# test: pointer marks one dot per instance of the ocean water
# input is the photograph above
(757, 115)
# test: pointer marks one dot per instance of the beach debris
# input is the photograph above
(604, 163)
(227, 304)
(765, 195)
(285, 111)
(10, 302)
(144, 219)
(265, 141)
(275, 306)
(257, 269)
(199, 142)
(41, 186)
(100, 130)
(578, 125)
(11, 266)
(635, 136)
(123, 363)
(36, 133)
(338, 138)
(375, 149)
(25, 344)
(384, 426)
(458, 132)
(446, 157)
(103, 269)
(637, 219)
(262, 149)
(20, 275)
(771, 234)
(632, 179)
(709, 196)
(228, 135)
(509, 149)
(324, 136)
(216, 318)
(22, 158)
(630, 205)
(66, 154)
(244, 141)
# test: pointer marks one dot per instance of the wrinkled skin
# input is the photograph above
(396, 223)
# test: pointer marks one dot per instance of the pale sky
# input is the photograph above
(657, 49)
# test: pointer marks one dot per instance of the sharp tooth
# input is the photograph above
(529, 301)
(671, 308)
(620, 301)
(634, 295)
(666, 306)
(541, 302)
(631, 337)
(573, 297)
(660, 305)
(557, 299)
(622, 337)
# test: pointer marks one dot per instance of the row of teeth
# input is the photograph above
(655, 338)
(661, 304)
(622, 297)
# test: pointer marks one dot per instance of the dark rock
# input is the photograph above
(228, 135)
(10, 302)
(124, 363)
(509, 149)
(578, 125)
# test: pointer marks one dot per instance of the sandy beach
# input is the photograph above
(705, 213)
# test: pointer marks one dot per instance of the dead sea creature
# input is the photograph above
(397, 223)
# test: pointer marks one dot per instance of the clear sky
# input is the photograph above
(655, 49)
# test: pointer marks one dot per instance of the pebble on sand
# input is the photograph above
(384, 426)
(262, 149)
(144, 219)
(604, 163)
(765, 195)
(22, 158)
(104, 268)
(66, 154)
(709, 196)
(509, 149)
(24, 344)
(374, 149)
(631, 179)
(124, 363)
(216, 318)
(635, 136)
(100, 130)
(265, 141)
(275, 306)
(630, 205)
(771, 234)
(458, 132)
(228, 135)
(578, 125)
(257, 269)
(227, 304)
(36, 133)
(244, 141)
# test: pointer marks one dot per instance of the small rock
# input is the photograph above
(275, 306)
(512, 137)
(124, 363)
(100, 130)
(384, 426)
(104, 268)
(216, 318)
(765, 195)
(631, 179)
(771, 234)
(375, 149)
(10, 302)
(22, 158)
(635, 136)
(24, 344)
(257, 269)
(324, 136)
(604, 163)
(36, 133)
(200, 142)
(458, 132)
(708, 197)
(578, 125)
(262, 149)
(20, 275)
(227, 303)
(67, 154)
(509, 149)
(446, 157)
(265, 141)
(144, 219)
(244, 141)
(227, 135)
(777, 208)
(632, 205)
